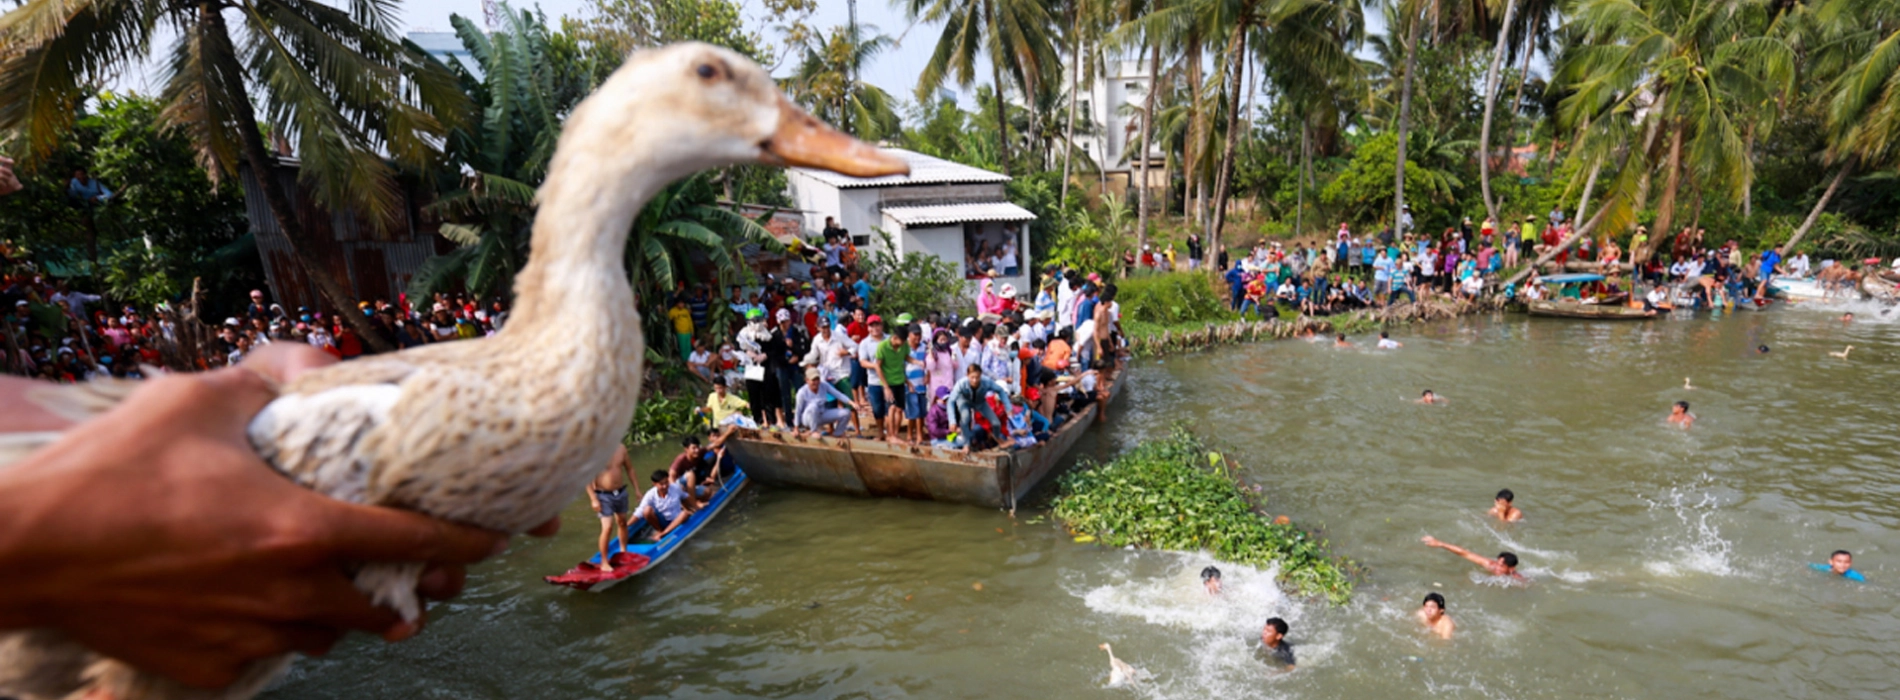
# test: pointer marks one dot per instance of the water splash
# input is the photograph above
(1697, 544)
(1202, 646)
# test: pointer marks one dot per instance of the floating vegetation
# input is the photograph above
(1177, 494)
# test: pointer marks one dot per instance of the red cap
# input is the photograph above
(874, 319)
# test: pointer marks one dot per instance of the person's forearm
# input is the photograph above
(27, 581)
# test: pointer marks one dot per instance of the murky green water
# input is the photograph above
(1665, 564)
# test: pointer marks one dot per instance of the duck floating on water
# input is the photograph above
(501, 432)
(1119, 672)
(1843, 354)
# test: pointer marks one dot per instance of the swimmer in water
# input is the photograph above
(1504, 565)
(1840, 563)
(1502, 508)
(1339, 341)
(1430, 398)
(1847, 318)
(1273, 643)
(1210, 578)
(1680, 416)
(1432, 613)
(1761, 349)
(1387, 343)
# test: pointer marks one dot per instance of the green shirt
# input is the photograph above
(890, 361)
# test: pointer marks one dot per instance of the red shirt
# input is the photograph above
(857, 331)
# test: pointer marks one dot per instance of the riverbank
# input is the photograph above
(1157, 339)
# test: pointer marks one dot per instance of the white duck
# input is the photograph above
(1119, 672)
(1685, 385)
(502, 432)
(1842, 354)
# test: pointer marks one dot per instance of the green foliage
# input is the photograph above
(1174, 493)
(1040, 193)
(1171, 298)
(165, 225)
(916, 283)
(1364, 190)
(660, 417)
(1085, 245)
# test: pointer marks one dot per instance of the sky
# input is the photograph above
(895, 71)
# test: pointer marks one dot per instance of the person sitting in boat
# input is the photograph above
(937, 419)
(1653, 301)
(664, 507)
(812, 413)
(967, 399)
(690, 469)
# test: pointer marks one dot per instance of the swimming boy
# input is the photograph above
(1430, 397)
(1387, 343)
(1432, 614)
(1680, 416)
(1840, 563)
(1210, 579)
(1273, 644)
(1339, 341)
(1502, 508)
(1504, 565)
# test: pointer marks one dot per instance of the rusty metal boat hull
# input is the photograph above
(993, 478)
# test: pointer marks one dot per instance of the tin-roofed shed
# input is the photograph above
(954, 211)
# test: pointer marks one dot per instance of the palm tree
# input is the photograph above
(825, 82)
(491, 209)
(333, 81)
(681, 221)
(1410, 16)
(1012, 33)
(1490, 102)
(1863, 109)
(1686, 71)
(1309, 35)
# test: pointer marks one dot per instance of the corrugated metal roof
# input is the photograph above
(958, 213)
(924, 170)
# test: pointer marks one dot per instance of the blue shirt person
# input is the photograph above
(1840, 563)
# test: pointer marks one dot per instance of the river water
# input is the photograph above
(1664, 563)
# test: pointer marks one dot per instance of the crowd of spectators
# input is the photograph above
(56, 332)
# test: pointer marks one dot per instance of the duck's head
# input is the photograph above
(679, 109)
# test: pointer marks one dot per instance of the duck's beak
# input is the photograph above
(803, 141)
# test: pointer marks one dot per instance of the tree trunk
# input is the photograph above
(1147, 124)
(1236, 49)
(1574, 236)
(1815, 214)
(1075, 68)
(1002, 108)
(264, 168)
(1190, 150)
(1405, 124)
(1666, 209)
(1306, 150)
(1490, 104)
(1517, 97)
(1583, 203)
(1748, 191)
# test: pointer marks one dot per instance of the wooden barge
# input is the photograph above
(996, 478)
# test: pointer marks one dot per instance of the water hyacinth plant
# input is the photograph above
(1176, 494)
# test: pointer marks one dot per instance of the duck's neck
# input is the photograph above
(574, 283)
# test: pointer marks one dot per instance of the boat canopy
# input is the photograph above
(1572, 278)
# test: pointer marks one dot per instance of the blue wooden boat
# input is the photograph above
(643, 556)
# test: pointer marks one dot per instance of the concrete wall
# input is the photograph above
(817, 199)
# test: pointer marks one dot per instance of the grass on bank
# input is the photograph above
(1176, 494)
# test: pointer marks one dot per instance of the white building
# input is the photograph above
(1113, 102)
(950, 210)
